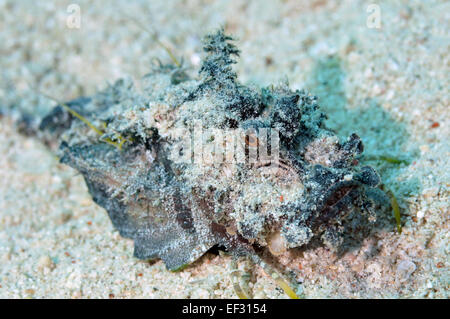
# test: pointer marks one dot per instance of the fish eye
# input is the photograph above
(251, 140)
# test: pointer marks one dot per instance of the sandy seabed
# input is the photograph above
(388, 84)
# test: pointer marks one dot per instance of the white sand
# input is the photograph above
(389, 85)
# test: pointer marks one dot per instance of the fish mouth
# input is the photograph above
(342, 196)
(339, 200)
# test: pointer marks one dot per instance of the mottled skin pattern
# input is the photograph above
(177, 212)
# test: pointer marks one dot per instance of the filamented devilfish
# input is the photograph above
(185, 164)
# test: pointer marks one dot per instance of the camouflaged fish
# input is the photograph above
(182, 164)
